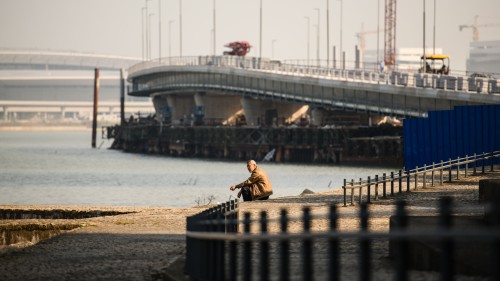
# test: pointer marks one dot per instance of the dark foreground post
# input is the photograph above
(447, 243)
(247, 256)
(307, 261)
(96, 98)
(401, 252)
(284, 248)
(334, 266)
(264, 249)
(365, 255)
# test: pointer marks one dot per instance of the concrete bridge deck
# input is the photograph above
(179, 84)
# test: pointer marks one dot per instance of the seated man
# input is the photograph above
(257, 186)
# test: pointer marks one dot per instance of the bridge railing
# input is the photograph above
(420, 175)
(397, 78)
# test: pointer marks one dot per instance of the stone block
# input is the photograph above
(489, 189)
(470, 257)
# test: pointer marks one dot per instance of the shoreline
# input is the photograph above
(42, 128)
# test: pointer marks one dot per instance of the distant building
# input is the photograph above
(407, 59)
(484, 57)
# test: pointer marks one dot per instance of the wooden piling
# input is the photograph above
(96, 98)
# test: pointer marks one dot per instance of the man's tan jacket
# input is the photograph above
(259, 184)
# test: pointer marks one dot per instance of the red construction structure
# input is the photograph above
(239, 48)
(390, 33)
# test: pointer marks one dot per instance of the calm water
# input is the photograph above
(61, 168)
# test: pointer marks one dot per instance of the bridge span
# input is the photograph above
(223, 87)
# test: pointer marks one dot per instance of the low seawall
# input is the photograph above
(28, 227)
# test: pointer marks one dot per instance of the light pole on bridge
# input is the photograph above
(308, 38)
(180, 28)
(260, 40)
(272, 48)
(317, 39)
(170, 38)
(214, 32)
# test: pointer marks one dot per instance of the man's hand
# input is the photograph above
(233, 187)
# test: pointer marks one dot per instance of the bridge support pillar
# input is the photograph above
(162, 109)
(198, 99)
(217, 108)
(261, 112)
(317, 115)
(253, 110)
(181, 108)
(5, 113)
(63, 112)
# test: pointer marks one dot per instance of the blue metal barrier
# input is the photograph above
(447, 134)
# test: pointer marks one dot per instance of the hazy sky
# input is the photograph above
(115, 26)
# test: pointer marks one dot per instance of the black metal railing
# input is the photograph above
(203, 256)
(420, 176)
(312, 254)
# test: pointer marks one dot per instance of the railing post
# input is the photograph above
(219, 251)
(401, 253)
(307, 258)
(247, 247)
(466, 165)
(368, 189)
(424, 177)
(458, 168)
(484, 160)
(494, 214)
(416, 177)
(400, 179)
(364, 245)
(474, 170)
(284, 248)
(441, 173)
(233, 249)
(446, 243)
(392, 183)
(345, 192)
(376, 187)
(449, 171)
(408, 181)
(432, 173)
(360, 198)
(352, 192)
(334, 268)
(264, 249)
(384, 191)
(492, 158)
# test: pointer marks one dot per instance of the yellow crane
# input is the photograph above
(475, 27)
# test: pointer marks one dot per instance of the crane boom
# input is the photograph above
(475, 27)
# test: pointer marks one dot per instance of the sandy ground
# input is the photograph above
(149, 243)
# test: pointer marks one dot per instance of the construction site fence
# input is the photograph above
(397, 182)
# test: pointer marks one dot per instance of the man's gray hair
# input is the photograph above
(251, 162)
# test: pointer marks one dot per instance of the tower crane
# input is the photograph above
(390, 33)
(362, 39)
(475, 27)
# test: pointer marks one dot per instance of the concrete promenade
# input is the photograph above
(149, 244)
